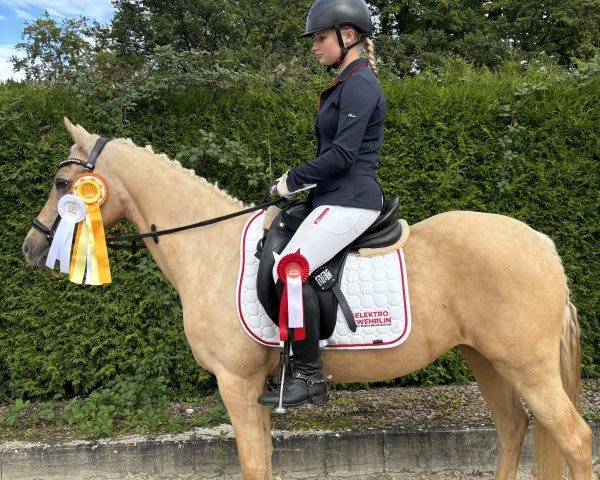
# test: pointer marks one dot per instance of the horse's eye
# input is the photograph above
(60, 184)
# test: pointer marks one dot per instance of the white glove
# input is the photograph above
(282, 188)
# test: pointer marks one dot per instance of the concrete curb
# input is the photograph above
(211, 453)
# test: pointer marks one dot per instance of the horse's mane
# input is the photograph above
(175, 164)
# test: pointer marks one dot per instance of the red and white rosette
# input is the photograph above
(293, 270)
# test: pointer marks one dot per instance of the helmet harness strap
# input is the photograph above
(344, 49)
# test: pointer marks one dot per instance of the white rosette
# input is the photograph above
(72, 211)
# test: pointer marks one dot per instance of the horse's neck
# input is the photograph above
(164, 194)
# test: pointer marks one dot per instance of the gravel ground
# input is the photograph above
(446, 475)
(407, 407)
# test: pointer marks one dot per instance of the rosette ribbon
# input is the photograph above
(72, 210)
(293, 270)
(90, 255)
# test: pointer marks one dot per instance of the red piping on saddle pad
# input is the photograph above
(239, 294)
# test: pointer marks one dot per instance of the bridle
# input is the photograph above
(89, 165)
(112, 241)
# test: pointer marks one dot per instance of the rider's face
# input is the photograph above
(325, 47)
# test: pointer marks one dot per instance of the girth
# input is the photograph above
(324, 294)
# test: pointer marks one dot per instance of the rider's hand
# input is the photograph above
(282, 188)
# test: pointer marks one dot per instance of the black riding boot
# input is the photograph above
(307, 383)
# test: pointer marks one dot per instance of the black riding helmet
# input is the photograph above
(325, 14)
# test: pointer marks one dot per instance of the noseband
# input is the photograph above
(89, 165)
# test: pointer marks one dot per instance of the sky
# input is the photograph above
(15, 13)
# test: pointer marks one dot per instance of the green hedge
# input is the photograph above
(518, 142)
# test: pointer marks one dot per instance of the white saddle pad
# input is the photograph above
(375, 287)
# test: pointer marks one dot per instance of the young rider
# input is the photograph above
(347, 198)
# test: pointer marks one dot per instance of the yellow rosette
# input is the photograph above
(90, 255)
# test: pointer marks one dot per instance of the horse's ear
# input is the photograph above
(80, 136)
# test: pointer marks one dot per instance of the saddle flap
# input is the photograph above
(294, 214)
(275, 239)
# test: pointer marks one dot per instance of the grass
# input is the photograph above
(55, 421)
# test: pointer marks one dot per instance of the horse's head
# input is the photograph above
(37, 242)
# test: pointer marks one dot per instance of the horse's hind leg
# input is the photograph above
(508, 414)
(542, 390)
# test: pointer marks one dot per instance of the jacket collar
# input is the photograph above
(359, 62)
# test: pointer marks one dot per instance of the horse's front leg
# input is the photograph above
(250, 421)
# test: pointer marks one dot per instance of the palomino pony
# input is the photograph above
(486, 283)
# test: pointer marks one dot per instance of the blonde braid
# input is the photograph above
(369, 49)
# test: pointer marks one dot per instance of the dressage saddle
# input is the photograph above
(321, 294)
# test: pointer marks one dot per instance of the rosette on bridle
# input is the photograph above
(293, 270)
(72, 210)
(90, 255)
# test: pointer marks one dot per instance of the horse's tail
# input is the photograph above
(549, 462)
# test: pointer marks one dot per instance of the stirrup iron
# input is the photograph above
(285, 370)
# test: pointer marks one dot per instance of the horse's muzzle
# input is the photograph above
(35, 255)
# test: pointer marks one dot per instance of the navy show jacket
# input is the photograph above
(349, 126)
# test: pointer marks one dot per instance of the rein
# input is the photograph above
(113, 241)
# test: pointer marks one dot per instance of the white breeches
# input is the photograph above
(326, 231)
